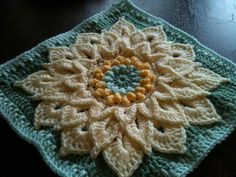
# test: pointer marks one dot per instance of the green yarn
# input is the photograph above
(17, 108)
(122, 79)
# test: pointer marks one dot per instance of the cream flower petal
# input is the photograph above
(183, 51)
(142, 50)
(206, 79)
(149, 35)
(125, 115)
(57, 53)
(168, 112)
(98, 111)
(62, 93)
(63, 79)
(174, 50)
(84, 103)
(187, 91)
(178, 67)
(87, 63)
(159, 51)
(155, 57)
(123, 156)
(171, 113)
(169, 139)
(107, 53)
(72, 116)
(141, 131)
(144, 110)
(109, 38)
(182, 68)
(102, 134)
(123, 48)
(111, 46)
(164, 92)
(137, 37)
(160, 47)
(200, 112)
(89, 38)
(64, 89)
(154, 34)
(109, 49)
(38, 82)
(47, 114)
(123, 28)
(85, 51)
(75, 140)
(74, 82)
(64, 68)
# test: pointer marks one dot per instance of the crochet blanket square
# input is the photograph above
(123, 94)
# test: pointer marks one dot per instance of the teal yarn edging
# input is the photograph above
(17, 108)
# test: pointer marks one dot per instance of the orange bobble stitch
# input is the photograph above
(107, 62)
(145, 73)
(125, 101)
(97, 94)
(117, 98)
(100, 84)
(126, 61)
(140, 96)
(105, 68)
(140, 89)
(120, 58)
(149, 87)
(110, 100)
(145, 81)
(99, 76)
(139, 64)
(134, 60)
(146, 65)
(152, 77)
(101, 90)
(94, 82)
(131, 96)
(107, 92)
(115, 62)
(97, 71)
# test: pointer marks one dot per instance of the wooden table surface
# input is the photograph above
(25, 23)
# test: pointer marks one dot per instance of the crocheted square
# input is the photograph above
(138, 93)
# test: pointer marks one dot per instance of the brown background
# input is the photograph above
(25, 23)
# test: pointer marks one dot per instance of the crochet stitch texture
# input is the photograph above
(127, 117)
(112, 92)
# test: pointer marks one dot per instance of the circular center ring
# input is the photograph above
(123, 81)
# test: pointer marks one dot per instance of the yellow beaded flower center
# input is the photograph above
(123, 81)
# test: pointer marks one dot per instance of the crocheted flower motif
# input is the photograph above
(123, 92)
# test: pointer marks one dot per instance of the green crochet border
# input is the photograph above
(17, 108)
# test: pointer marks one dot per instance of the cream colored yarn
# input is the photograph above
(123, 133)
